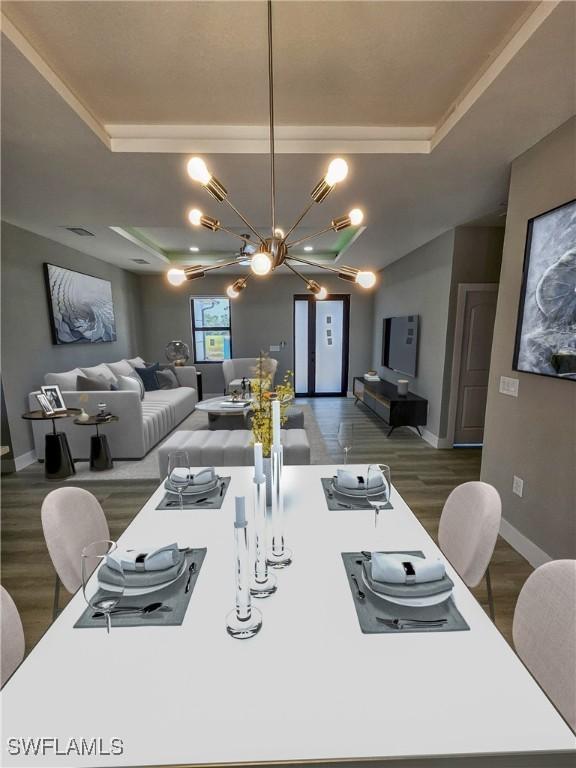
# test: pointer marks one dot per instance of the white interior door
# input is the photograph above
(321, 345)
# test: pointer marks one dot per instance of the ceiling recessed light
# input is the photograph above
(194, 248)
(308, 248)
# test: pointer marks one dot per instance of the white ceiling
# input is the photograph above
(56, 172)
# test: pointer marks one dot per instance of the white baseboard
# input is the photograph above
(24, 460)
(523, 545)
(432, 439)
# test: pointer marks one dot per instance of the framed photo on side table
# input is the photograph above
(45, 405)
(54, 397)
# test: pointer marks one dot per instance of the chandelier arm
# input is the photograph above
(299, 274)
(247, 240)
(210, 267)
(250, 227)
(309, 237)
(293, 227)
(271, 107)
(341, 269)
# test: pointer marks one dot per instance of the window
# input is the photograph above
(211, 331)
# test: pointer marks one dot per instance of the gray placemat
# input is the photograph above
(173, 596)
(214, 499)
(338, 501)
(371, 606)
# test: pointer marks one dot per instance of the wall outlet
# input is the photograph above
(518, 486)
(509, 386)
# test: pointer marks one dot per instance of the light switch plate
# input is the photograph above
(509, 386)
(518, 486)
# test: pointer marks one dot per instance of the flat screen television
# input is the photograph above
(400, 344)
(546, 328)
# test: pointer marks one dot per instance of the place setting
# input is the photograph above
(185, 489)
(397, 592)
(348, 489)
(143, 586)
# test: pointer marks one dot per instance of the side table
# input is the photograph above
(58, 461)
(100, 456)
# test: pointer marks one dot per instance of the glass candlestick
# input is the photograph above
(263, 583)
(244, 621)
(279, 556)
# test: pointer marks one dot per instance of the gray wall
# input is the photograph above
(419, 283)
(261, 316)
(533, 436)
(27, 349)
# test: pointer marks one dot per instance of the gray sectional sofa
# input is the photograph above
(142, 424)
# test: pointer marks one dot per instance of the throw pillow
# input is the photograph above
(91, 384)
(136, 362)
(131, 383)
(65, 380)
(121, 368)
(167, 379)
(100, 372)
(148, 376)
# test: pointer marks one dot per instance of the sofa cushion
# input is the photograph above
(181, 400)
(91, 384)
(121, 368)
(167, 379)
(100, 372)
(65, 380)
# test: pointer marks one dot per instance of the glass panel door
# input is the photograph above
(321, 345)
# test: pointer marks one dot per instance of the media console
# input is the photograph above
(397, 410)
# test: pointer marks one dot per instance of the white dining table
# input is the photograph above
(309, 687)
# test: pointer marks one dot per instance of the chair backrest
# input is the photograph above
(238, 367)
(11, 635)
(544, 632)
(469, 527)
(72, 518)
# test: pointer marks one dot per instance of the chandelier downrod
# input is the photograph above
(271, 108)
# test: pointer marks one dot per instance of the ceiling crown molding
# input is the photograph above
(253, 139)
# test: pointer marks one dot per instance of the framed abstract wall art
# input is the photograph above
(81, 307)
(546, 328)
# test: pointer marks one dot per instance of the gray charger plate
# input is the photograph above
(371, 606)
(214, 498)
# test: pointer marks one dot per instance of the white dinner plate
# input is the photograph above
(410, 602)
(135, 591)
(353, 493)
(193, 490)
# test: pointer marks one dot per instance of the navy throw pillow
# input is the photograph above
(148, 376)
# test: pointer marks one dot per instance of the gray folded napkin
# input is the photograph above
(144, 558)
(141, 579)
(202, 477)
(424, 589)
(355, 482)
(402, 568)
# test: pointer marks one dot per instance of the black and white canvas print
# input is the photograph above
(81, 307)
(546, 333)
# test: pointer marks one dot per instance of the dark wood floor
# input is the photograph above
(423, 475)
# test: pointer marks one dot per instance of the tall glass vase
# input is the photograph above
(244, 621)
(263, 582)
(279, 556)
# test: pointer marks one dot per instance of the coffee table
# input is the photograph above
(224, 417)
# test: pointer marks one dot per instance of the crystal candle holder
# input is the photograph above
(244, 621)
(279, 556)
(263, 582)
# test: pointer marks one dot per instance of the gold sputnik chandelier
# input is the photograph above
(273, 251)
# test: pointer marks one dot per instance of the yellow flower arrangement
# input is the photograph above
(262, 403)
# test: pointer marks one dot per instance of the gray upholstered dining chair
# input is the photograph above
(468, 530)
(11, 636)
(237, 368)
(72, 518)
(544, 632)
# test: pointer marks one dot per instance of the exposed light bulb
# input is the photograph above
(356, 216)
(322, 293)
(279, 232)
(308, 248)
(197, 170)
(261, 263)
(231, 292)
(366, 279)
(195, 217)
(194, 248)
(337, 171)
(176, 276)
